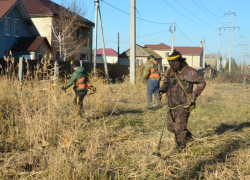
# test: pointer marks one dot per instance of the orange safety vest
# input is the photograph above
(80, 83)
(154, 70)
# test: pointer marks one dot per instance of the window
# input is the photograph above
(166, 54)
(7, 26)
(16, 24)
(82, 56)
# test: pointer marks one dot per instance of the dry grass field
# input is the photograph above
(41, 137)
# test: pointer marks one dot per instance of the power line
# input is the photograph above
(92, 13)
(136, 17)
(217, 6)
(185, 35)
(190, 39)
(153, 39)
(198, 5)
(224, 39)
(208, 9)
(187, 17)
(190, 12)
(211, 12)
(137, 37)
(147, 35)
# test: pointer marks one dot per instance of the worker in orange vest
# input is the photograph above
(151, 74)
(79, 79)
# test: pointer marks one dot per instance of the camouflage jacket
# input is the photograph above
(188, 77)
(149, 65)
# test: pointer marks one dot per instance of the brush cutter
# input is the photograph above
(124, 101)
(91, 90)
(157, 153)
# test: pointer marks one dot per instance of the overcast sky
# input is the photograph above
(195, 20)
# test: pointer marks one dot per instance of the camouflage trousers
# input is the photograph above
(177, 122)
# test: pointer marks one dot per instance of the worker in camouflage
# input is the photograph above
(151, 74)
(178, 85)
(79, 79)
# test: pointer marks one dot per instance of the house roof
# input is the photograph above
(161, 46)
(151, 52)
(108, 51)
(189, 50)
(38, 8)
(184, 50)
(147, 52)
(7, 5)
(29, 44)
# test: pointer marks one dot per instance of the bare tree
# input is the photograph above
(67, 40)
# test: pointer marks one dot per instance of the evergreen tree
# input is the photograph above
(234, 65)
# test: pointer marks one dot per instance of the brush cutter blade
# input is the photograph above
(155, 154)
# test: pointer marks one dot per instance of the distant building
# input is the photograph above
(111, 56)
(223, 62)
(32, 48)
(15, 24)
(44, 13)
(141, 56)
(193, 55)
(211, 59)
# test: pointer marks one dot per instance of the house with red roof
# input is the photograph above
(193, 55)
(18, 33)
(111, 56)
(45, 13)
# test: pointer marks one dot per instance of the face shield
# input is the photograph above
(174, 62)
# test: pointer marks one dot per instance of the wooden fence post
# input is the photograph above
(244, 82)
(56, 72)
(20, 71)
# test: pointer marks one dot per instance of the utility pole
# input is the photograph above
(103, 46)
(98, 13)
(218, 55)
(118, 48)
(203, 63)
(96, 22)
(245, 60)
(247, 63)
(230, 38)
(230, 42)
(242, 55)
(172, 41)
(132, 43)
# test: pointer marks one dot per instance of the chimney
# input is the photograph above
(201, 44)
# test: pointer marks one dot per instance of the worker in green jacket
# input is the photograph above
(151, 74)
(79, 79)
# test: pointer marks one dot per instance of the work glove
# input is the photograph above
(63, 88)
(159, 94)
(142, 80)
(192, 99)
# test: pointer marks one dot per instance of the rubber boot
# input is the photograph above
(179, 146)
(189, 137)
(80, 114)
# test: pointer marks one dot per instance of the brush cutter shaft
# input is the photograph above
(133, 94)
(158, 147)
